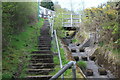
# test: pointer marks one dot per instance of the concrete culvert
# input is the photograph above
(82, 50)
(70, 41)
(73, 50)
(76, 58)
(67, 34)
(93, 58)
(84, 58)
(102, 71)
(89, 72)
(78, 44)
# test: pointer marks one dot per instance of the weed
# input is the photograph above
(74, 40)
(82, 64)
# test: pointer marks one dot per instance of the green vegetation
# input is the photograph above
(101, 43)
(20, 30)
(16, 55)
(58, 26)
(105, 23)
(82, 64)
(15, 18)
(74, 40)
(47, 4)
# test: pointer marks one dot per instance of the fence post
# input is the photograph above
(74, 70)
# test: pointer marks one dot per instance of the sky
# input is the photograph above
(78, 4)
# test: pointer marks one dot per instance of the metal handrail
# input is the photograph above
(61, 66)
(67, 66)
(51, 26)
(58, 49)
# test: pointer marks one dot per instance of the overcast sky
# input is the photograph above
(78, 4)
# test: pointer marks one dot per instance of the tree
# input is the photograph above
(47, 4)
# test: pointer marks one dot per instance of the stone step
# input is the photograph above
(48, 60)
(44, 48)
(45, 39)
(45, 42)
(39, 71)
(41, 65)
(45, 30)
(45, 36)
(42, 56)
(48, 34)
(42, 52)
(40, 77)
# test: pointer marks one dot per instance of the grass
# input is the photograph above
(74, 40)
(20, 46)
(68, 73)
(82, 64)
(101, 44)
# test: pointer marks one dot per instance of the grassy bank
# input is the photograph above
(15, 55)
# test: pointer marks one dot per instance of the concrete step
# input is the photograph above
(44, 48)
(39, 71)
(42, 52)
(41, 56)
(45, 33)
(45, 39)
(45, 42)
(48, 60)
(45, 36)
(40, 77)
(41, 65)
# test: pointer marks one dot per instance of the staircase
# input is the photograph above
(41, 61)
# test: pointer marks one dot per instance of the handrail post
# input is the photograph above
(67, 66)
(52, 27)
(74, 70)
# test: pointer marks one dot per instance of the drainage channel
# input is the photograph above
(41, 61)
(93, 70)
